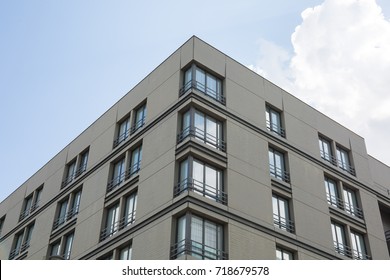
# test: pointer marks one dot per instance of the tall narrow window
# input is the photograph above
(31, 203)
(123, 131)
(283, 254)
(126, 252)
(277, 165)
(140, 117)
(199, 238)
(274, 121)
(2, 220)
(118, 174)
(82, 163)
(135, 164)
(71, 172)
(21, 241)
(350, 203)
(201, 178)
(112, 221)
(130, 209)
(203, 81)
(344, 160)
(358, 246)
(326, 150)
(332, 193)
(68, 246)
(281, 213)
(67, 209)
(339, 239)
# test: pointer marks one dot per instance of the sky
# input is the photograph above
(64, 63)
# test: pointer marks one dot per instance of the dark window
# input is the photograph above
(277, 165)
(21, 241)
(274, 121)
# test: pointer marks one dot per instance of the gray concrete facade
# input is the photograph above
(204, 159)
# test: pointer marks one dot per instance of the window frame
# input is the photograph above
(67, 208)
(280, 173)
(21, 241)
(285, 221)
(284, 252)
(275, 126)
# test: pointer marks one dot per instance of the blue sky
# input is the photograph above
(64, 63)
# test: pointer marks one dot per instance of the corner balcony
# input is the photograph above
(197, 250)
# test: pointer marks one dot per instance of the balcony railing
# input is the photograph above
(123, 137)
(212, 192)
(328, 157)
(347, 251)
(75, 174)
(17, 251)
(117, 226)
(29, 210)
(346, 167)
(276, 128)
(339, 203)
(279, 173)
(193, 84)
(196, 249)
(387, 235)
(283, 223)
(203, 136)
(68, 216)
(116, 181)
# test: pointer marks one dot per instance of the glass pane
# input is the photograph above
(211, 83)
(211, 130)
(200, 79)
(279, 254)
(211, 181)
(186, 124)
(197, 234)
(187, 78)
(68, 246)
(199, 125)
(130, 209)
(112, 219)
(184, 174)
(76, 202)
(198, 175)
(62, 213)
(125, 253)
(55, 249)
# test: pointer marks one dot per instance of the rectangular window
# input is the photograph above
(135, 163)
(359, 251)
(75, 168)
(140, 117)
(31, 203)
(343, 160)
(351, 203)
(125, 252)
(281, 212)
(199, 238)
(83, 160)
(274, 121)
(67, 209)
(201, 178)
(203, 81)
(2, 220)
(326, 150)
(62, 248)
(339, 239)
(21, 241)
(123, 131)
(118, 174)
(332, 193)
(277, 165)
(203, 127)
(119, 215)
(283, 254)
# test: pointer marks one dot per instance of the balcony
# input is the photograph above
(279, 173)
(211, 192)
(328, 157)
(68, 216)
(273, 127)
(283, 223)
(340, 204)
(73, 176)
(197, 250)
(17, 251)
(125, 135)
(193, 84)
(29, 210)
(117, 226)
(347, 251)
(206, 138)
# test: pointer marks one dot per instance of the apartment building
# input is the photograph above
(204, 159)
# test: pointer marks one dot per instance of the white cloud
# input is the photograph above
(341, 66)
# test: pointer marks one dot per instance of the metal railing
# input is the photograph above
(346, 167)
(17, 251)
(190, 184)
(75, 174)
(193, 84)
(339, 203)
(328, 157)
(279, 173)
(116, 181)
(117, 226)
(122, 137)
(277, 128)
(63, 219)
(29, 210)
(203, 136)
(283, 223)
(347, 251)
(193, 248)
(387, 235)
